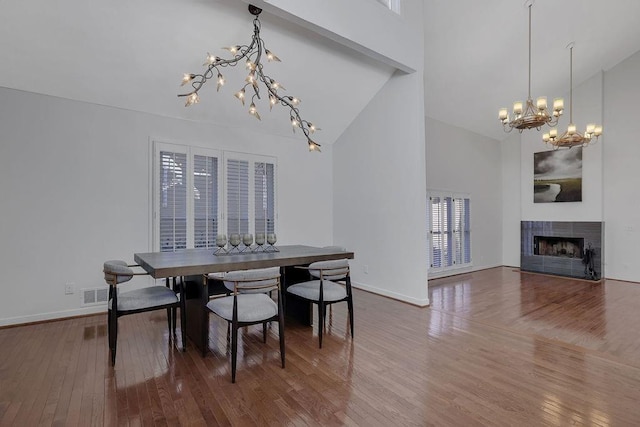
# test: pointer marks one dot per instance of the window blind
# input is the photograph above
(173, 201)
(205, 201)
(237, 196)
(264, 189)
(450, 231)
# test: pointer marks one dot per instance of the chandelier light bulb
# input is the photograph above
(211, 59)
(271, 57)
(232, 49)
(250, 65)
(240, 95)
(192, 99)
(254, 111)
(571, 129)
(186, 78)
(541, 103)
(517, 108)
(221, 82)
(503, 114)
(313, 146)
(597, 131)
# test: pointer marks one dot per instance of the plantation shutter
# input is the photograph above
(205, 201)
(237, 196)
(264, 189)
(449, 231)
(467, 231)
(173, 201)
(436, 233)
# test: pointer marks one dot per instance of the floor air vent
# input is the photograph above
(94, 296)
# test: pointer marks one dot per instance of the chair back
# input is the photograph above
(259, 280)
(330, 270)
(117, 271)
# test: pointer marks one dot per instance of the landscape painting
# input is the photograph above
(557, 176)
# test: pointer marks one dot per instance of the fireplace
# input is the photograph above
(569, 247)
(558, 247)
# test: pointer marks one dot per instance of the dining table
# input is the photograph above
(194, 267)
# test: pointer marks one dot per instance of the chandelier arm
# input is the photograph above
(294, 112)
(200, 79)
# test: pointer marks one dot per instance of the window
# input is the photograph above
(199, 193)
(449, 223)
(250, 182)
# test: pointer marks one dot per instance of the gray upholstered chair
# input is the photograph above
(139, 300)
(249, 303)
(330, 283)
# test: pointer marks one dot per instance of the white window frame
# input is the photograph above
(222, 156)
(456, 245)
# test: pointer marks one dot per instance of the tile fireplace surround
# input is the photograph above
(556, 247)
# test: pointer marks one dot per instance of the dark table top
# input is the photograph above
(191, 262)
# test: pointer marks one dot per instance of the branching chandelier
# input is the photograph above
(531, 116)
(252, 55)
(571, 137)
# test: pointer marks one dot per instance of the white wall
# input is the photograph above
(621, 171)
(75, 184)
(379, 186)
(336, 20)
(461, 161)
(511, 176)
(587, 107)
(379, 192)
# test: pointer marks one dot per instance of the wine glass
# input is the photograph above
(247, 239)
(221, 241)
(271, 240)
(260, 239)
(234, 241)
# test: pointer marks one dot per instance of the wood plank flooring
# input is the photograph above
(496, 347)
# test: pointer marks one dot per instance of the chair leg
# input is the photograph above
(350, 306)
(174, 315)
(169, 316)
(321, 310)
(183, 327)
(234, 351)
(281, 334)
(264, 332)
(113, 334)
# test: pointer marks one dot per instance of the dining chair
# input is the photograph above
(250, 303)
(330, 283)
(140, 300)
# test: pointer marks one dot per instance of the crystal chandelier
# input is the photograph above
(252, 56)
(571, 137)
(530, 116)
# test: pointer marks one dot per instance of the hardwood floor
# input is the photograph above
(496, 347)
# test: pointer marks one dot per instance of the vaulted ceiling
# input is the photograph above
(131, 55)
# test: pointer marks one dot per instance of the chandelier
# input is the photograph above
(530, 116)
(252, 56)
(571, 137)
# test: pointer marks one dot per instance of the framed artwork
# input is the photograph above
(557, 176)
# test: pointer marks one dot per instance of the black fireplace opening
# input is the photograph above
(567, 247)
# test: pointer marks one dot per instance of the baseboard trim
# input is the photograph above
(393, 295)
(46, 317)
